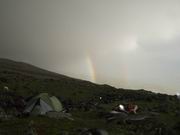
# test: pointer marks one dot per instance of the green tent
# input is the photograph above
(57, 106)
(43, 103)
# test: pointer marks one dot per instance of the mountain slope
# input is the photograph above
(27, 79)
(24, 68)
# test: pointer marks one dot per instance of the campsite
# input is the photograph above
(51, 104)
(89, 67)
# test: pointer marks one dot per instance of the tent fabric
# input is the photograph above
(45, 97)
(45, 107)
(57, 106)
(30, 107)
(43, 103)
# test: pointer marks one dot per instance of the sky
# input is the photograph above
(124, 43)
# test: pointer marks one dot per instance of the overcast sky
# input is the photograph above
(124, 43)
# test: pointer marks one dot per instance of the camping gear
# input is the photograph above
(129, 108)
(43, 103)
(132, 108)
(121, 107)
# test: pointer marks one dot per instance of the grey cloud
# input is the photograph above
(131, 43)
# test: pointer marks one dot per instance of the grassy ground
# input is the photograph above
(89, 119)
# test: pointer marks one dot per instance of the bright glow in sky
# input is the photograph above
(129, 44)
(124, 43)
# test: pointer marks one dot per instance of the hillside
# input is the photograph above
(27, 69)
(88, 103)
(27, 79)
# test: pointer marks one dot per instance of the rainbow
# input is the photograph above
(91, 68)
